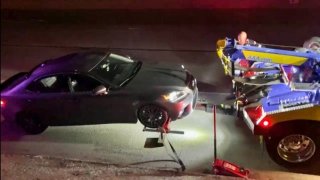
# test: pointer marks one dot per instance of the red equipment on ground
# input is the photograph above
(221, 167)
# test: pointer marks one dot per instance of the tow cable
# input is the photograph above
(164, 130)
(177, 158)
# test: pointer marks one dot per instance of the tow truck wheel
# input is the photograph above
(294, 147)
(152, 116)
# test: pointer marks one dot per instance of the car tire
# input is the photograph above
(299, 154)
(152, 116)
(31, 123)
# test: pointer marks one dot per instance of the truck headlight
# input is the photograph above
(175, 96)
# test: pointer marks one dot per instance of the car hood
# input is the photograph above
(150, 76)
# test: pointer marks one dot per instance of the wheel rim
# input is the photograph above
(30, 123)
(152, 116)
(296, 148)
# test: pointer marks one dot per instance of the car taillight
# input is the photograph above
(3, 103)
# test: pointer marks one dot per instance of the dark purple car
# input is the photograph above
(97, 88)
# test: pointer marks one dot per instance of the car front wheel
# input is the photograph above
(152, 116)
(31, 123)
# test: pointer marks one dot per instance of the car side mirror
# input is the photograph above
(100, 90)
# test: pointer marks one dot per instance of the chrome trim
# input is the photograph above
(296, 148)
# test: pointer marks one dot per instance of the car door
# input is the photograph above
(98, 109)
(46, 98)
(88, 108)
(123, 107)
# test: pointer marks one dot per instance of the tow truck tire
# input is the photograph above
(286, 154)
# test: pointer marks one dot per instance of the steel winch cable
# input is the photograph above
(176, 156)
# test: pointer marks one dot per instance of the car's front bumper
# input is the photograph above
(183, 107)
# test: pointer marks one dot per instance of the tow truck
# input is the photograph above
(277, 94)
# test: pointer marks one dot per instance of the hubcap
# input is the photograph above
(296, 148)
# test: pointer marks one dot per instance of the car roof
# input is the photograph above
(75, 62)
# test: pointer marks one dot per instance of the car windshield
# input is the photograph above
(116, 69)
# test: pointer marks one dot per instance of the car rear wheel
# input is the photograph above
(31, 123)
(152, 116)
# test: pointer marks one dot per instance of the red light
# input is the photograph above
(248, 74)
(2, 103)
(258, 117)
(265, 123)
(244, 63)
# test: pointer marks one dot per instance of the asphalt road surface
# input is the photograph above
(27, 42)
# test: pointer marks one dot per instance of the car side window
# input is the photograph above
(50, 84)
(82, 83)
